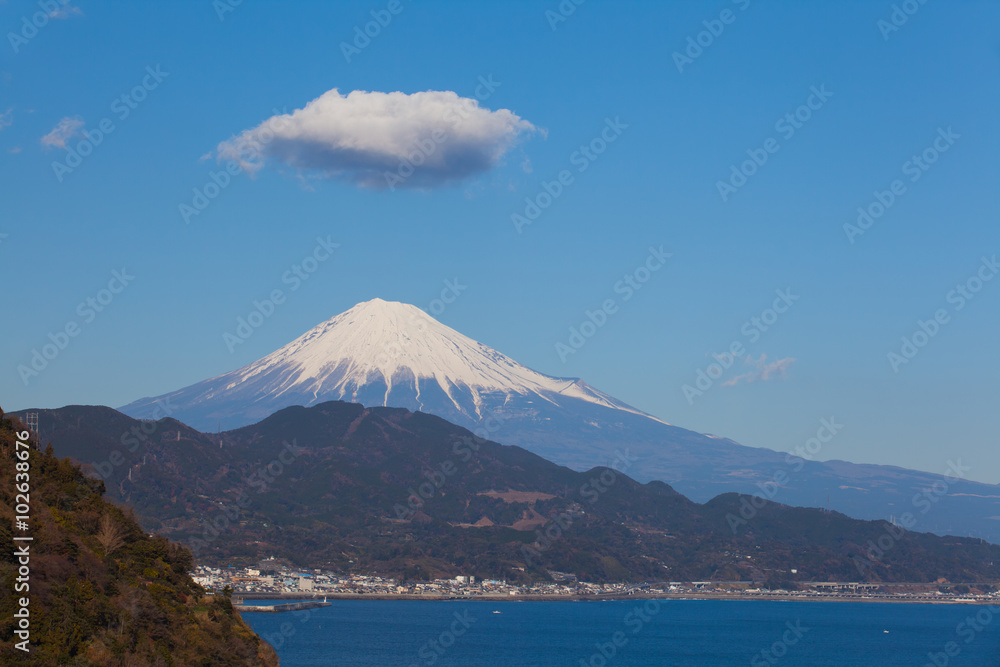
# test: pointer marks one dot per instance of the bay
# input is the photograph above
(682, 633)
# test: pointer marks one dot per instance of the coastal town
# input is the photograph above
(271, 580)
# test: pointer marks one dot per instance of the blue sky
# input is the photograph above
(886, 96)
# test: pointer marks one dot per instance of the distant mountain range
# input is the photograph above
(382, 353)
(407, 494)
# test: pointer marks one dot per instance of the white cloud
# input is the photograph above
(65, 11)
(762, 370)
(378, 140)
(64, 130)
(6, 118)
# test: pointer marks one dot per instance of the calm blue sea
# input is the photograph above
(682, 633)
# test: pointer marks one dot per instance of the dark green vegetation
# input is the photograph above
(103, 592)
(338, 486)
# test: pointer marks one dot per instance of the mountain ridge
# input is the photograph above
(393, 492)
(381, 353)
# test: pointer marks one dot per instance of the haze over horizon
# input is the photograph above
(619, 143)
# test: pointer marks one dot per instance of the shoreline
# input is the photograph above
(612, 598)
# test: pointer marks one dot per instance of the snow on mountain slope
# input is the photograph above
(392, 354)
(378, 353)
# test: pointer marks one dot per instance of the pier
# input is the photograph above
(276, 608)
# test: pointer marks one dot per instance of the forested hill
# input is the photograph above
(409, 495)
(102, 592)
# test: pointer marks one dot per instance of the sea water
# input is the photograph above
(682, 633)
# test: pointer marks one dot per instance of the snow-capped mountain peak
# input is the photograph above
(385, 353)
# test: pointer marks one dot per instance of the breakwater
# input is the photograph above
(275, 608)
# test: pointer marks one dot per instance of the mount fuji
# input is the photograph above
(382, 353)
